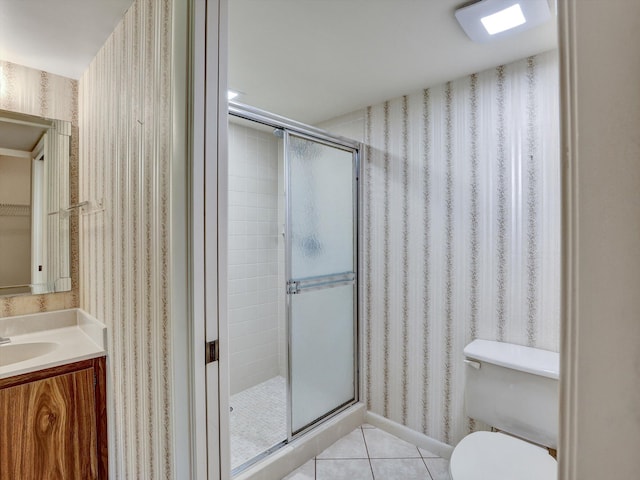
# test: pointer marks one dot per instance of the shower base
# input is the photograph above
(258, 420)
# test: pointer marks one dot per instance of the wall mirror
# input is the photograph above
(34, 204)
(42, 58)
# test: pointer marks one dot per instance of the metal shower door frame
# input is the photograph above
(325, 281)
(301, 130)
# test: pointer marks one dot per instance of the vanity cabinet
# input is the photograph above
(53, 423)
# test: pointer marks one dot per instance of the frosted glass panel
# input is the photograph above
(321, 208)
(322, 356)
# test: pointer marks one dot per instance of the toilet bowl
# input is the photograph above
(496, 456)
(514, 389)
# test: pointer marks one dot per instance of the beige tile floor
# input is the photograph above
(368, 453)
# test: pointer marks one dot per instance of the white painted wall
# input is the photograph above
(15, 180)
(600, 393)
(350, 125)
(15, 230)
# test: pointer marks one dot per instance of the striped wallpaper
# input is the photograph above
(34, 92)
(461, 235)
(125, 152)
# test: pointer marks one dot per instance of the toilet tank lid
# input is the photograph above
(516, 357)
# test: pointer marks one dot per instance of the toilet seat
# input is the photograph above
(496, 456)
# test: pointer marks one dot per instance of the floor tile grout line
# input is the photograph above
(364, 439)
(432, 454)
(345, 460)
(394, 458)
(427, 467)
(342, 458)
(373, 458)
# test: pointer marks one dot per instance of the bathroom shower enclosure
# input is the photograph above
(293, 298)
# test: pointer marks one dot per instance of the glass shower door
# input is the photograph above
(321, 278)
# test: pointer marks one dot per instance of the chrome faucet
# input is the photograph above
(4, 340)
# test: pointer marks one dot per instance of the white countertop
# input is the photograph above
(76, 334)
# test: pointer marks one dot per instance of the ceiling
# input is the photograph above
(57, 36)
(21, 137)
(310, 60)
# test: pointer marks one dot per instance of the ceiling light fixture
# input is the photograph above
(503, 20)
(493, 19)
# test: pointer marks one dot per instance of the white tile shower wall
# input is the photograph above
(253, 257)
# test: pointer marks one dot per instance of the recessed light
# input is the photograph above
(503, 20)
(494, 19)
(231, 94)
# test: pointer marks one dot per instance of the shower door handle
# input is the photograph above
(320, 282)
(293, 288)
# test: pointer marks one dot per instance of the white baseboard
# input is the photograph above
(303, 449)
(408, 435)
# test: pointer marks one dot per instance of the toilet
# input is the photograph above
(513, 389)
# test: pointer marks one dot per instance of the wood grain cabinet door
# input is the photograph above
(48, 429)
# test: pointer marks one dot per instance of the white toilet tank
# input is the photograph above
(515, 389)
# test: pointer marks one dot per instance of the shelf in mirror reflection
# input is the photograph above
(87, 207)
(14, 210)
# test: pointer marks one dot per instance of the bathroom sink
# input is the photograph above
(19, 352)
(38, 341)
